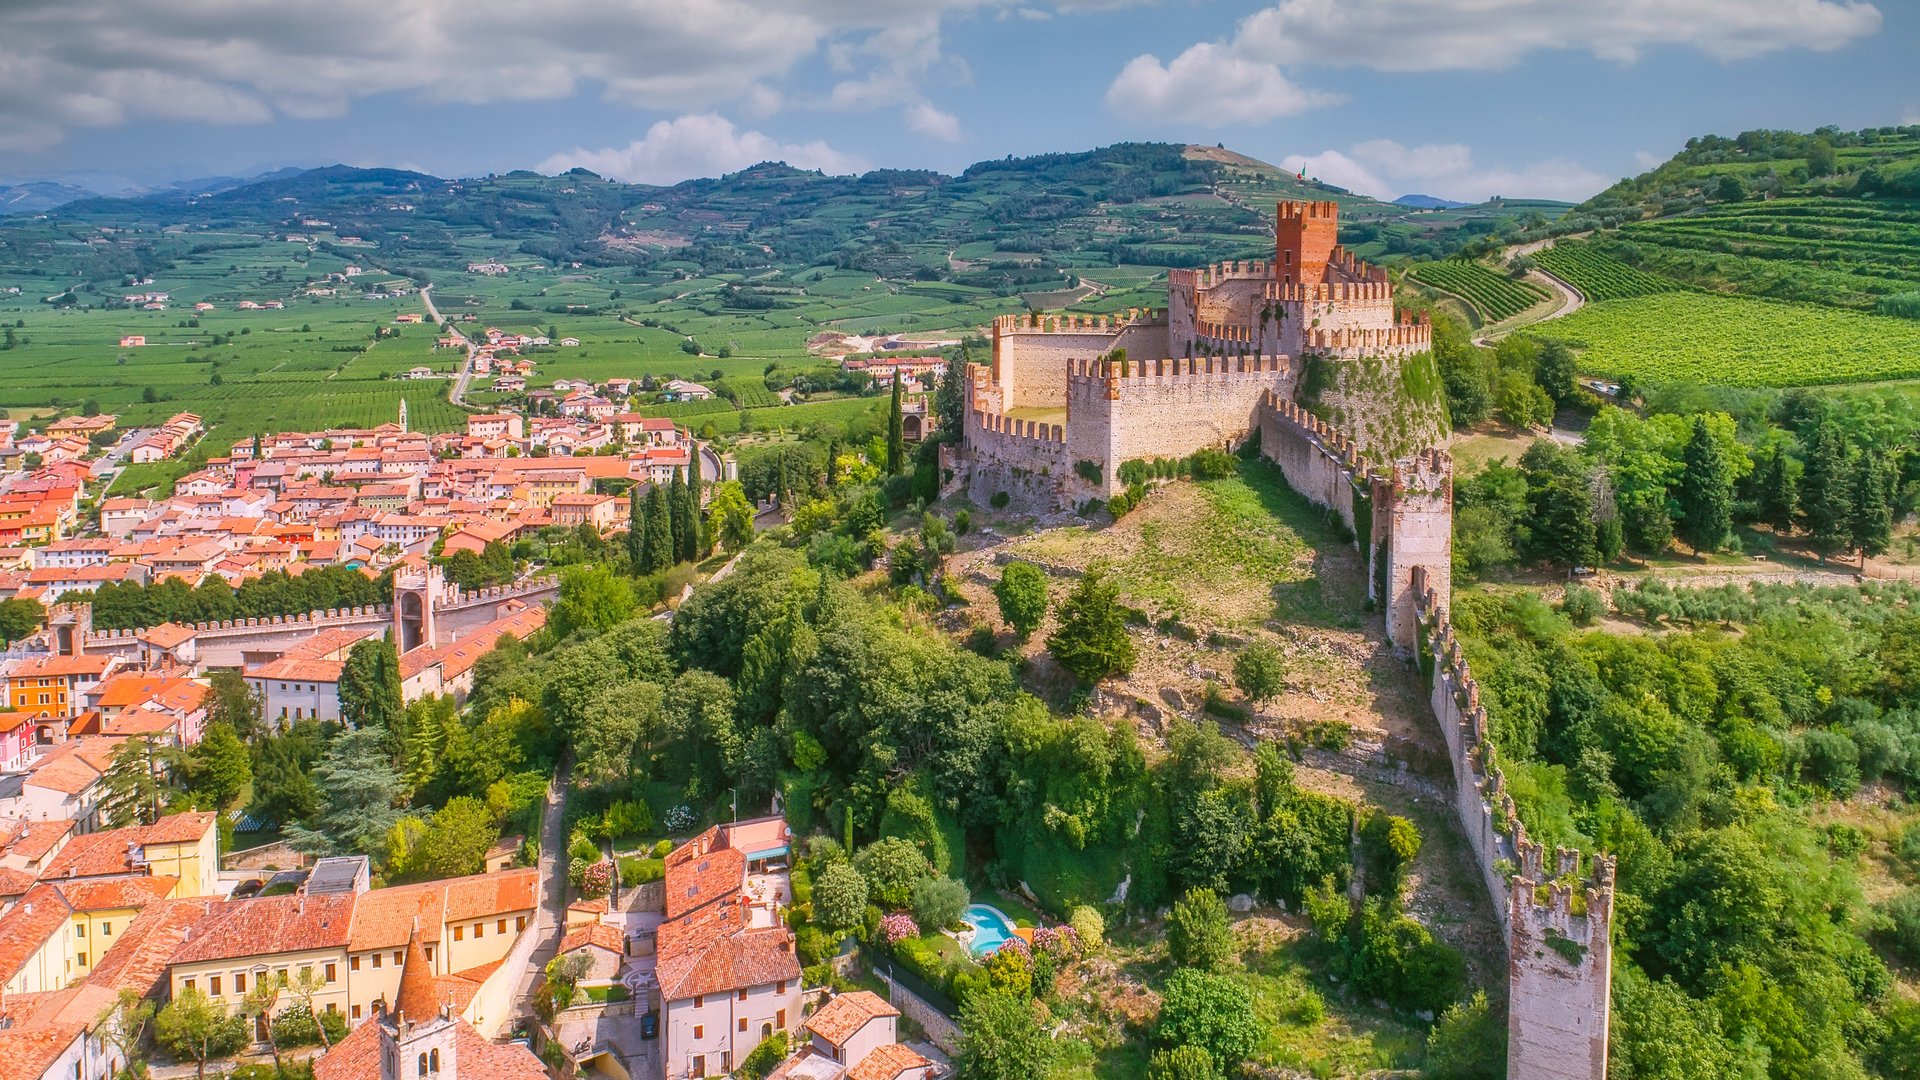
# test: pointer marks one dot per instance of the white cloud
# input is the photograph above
(924, 119)
(1438, 35)
(701, 144)
(1647, 159)
(73, 64)
(1386, 169)
(1209, 86)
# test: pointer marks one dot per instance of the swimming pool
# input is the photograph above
(991, 928)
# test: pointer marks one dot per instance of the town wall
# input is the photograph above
(1317, 461)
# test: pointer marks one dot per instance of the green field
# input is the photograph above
(1494, 295)
(1597, 276)
(1736, 341)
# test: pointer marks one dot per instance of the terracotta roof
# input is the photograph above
(130, 688)
(40, 1028)
(700, 871)
(712, 951)
(114, 894)
(299, 670)
(72, 767)
(840, 1019)
(596, 934)
(15, 882)
(270, 924)
(33, 842)
(166, 636)
(27, 926)
(358, 1057)
(385, 918)
(418, 998)
(111, 851)
(62, 665)
(886, 1062)
(141, 952)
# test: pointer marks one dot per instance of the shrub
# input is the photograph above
(1260, 672)
(1387, 843)
(1091, 471)
(1010, 969)
(1119, 505)
(1468, 1042)
(1582, 605)
(1903, 925)
(898, 927)
(939, 902)
(999, 500)
(1212, 1012)
(1182, 1063)
(639, 871)
(962, 521)
(1198, 935)
(1022, 592)
(1088, 928)
(765, 1058)
(597, 880)
(1091, 639)
(892, 867)
(1212, 464)
(661, 849)
(839, 897)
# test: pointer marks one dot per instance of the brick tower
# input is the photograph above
(1304, 238)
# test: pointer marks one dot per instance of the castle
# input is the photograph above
(1067, 400)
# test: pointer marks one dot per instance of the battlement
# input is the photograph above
(1350, 264)
(1330, 441)
(1225, 333)
(1043, 323)
(1287, 209)
(1352, 341)
(1329, 291)
(1555, 915)
(1209, 276)
(1009, 428)
(1428, 472)
(1190, 367)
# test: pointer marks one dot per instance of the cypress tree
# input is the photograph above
(950, 400)
(896, 438)
(659, 541)
(690, 551)
(833, 462)
(677, 512)
(1779, 499)
(636, 531)
(1825, 499)
(1706, 492)
(1870, 528)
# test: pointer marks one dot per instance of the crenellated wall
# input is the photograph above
(1559, 952)
(1030, 351)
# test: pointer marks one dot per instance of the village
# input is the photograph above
(111, 913)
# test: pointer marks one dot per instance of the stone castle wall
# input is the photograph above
(1030, 352)
(1166, 408)
(1559, 951)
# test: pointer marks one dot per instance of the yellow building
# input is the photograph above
(56, 933)
(355, 940)
(182, 847)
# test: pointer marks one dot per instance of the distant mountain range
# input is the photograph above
(39, 195)
(1428, 202)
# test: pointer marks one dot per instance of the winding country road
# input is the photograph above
(457, 390)
(1571, 299)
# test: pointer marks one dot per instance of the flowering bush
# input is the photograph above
(1055, 940)
(597, 881)
(897, 927)
(679, 819)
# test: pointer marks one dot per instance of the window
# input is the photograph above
(780, 1018)
(306, 972)
(520, 922)
(353, 963)
(500, 927)
(780, 987)
(699, 1000)
(743, 993)
(699, 1031)
(459, 933)
(423, 1064)
(106, 929)
(698, 1067)
(80, 930)
(766, 1030)
(743, 1024)
(330, 973)
(429, 954)
(479, 930)
(216, 981)
(213, 981)
(186, 984)
(396, 958)
(356, 1012)
(376, 961)
(239, 982)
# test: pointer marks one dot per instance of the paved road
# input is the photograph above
(457, 392)
(550, 921)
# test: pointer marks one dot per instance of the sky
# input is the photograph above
(1463, 99)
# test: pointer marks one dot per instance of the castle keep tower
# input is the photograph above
(1304, 240)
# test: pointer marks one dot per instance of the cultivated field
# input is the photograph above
(1737, 341)
(1494, 295)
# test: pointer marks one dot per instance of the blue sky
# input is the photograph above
(1459, 98)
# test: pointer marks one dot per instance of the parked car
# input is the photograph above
(649, 1025)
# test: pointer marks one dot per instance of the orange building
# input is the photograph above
(53, 686)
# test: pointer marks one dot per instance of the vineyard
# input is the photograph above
(1597, 276)
(1840, 252)
(1493, 294)
(1699, 338)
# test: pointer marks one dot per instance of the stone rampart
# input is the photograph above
(1357, 341)
(1129, 409)
(1030, 351)
(1317, 461)
(1559, 952)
